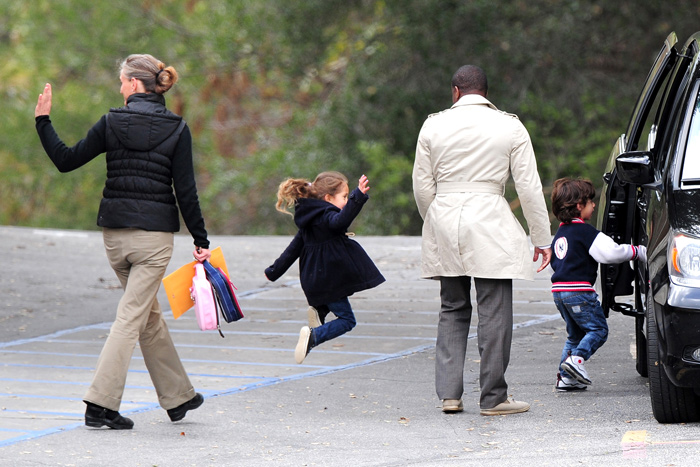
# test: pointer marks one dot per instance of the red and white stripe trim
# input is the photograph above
(572, 287)
(635, 252)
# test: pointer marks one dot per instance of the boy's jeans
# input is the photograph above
(586, 325)
(344, 322)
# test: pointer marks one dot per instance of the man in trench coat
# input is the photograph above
(464, 157)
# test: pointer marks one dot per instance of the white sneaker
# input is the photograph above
(574, 366)
(303, 345)
(566, 384)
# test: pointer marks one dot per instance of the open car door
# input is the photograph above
(617, 200)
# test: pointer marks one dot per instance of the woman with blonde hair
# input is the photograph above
(149, 174)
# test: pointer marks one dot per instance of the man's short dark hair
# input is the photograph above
(470, 79)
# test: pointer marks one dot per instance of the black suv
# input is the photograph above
(651, 197)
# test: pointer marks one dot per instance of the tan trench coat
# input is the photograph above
(464, 157)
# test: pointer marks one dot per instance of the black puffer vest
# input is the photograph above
(141, 139)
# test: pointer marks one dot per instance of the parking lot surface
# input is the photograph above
(366, 398)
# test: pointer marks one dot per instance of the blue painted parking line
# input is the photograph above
(435, 311)
(190, 360)
(532, 322)
(361, 324)
(66, 383)
(38, 396)
(224, 376)
(40, 412)
(265, 364)
(12, 430)
(222, 347)
(30, 434)
(328, 370)
(53, 367)
(79, 368)
(296, 334)
(55, 354)
(54, 335)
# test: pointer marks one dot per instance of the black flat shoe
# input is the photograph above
(178, 413)
(96, 417)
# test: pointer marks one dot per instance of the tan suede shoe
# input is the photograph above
(314, 319)
(452, 405)
(507, 407)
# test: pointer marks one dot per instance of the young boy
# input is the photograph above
(577, 249)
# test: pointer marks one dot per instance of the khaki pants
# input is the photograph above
(139, 258)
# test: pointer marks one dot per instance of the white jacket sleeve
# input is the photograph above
(424, 184)
(606, 251)
(523, 166)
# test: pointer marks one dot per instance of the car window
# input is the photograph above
(645, 111)
(647, 138)
(650, 128)
(690, 174)
(667, 116)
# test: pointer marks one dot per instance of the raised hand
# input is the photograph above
(43, 105)
(364, 184)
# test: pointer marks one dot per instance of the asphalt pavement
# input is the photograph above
(364, 399)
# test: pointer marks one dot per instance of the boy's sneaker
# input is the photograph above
(566, 384)
(574, 366)
(314, 318)
(306, 341)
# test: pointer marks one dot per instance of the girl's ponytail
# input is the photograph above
(290, 191)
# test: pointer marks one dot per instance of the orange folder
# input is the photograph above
(177, 284)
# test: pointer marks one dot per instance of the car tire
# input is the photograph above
(669, 403)
(641, 347)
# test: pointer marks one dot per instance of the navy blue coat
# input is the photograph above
(331, 265)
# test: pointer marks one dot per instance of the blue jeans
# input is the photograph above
(344, 322)
(586, 325)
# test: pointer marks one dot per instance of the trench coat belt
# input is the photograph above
(470, 187)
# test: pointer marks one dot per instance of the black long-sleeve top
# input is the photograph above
(136, 209)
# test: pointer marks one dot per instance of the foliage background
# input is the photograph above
(273, 88)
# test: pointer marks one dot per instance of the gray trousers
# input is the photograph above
(494, 299)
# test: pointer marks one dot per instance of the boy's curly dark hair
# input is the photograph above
(567, 193)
